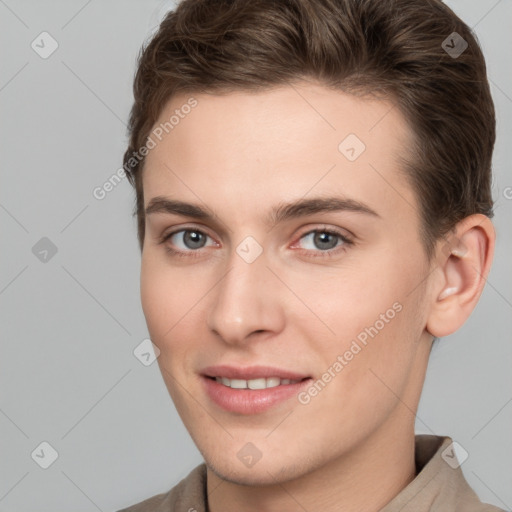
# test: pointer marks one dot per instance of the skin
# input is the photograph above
(295, 307)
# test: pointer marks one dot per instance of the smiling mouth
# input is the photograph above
(254, 384)
(251, 390)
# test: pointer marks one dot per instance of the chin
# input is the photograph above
(264, 475)
(267, 471)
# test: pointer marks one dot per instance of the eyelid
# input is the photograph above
(176, 229)
(336, 251)
(345, 236)
(190, 253)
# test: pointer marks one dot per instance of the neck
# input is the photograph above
(367, 478)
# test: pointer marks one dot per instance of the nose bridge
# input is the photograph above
(245, 301)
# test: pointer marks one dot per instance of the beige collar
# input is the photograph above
(439, 486)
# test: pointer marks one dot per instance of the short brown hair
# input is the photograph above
(396, 49)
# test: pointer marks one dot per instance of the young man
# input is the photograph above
(313, 199)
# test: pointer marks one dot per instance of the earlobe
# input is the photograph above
(464, 262)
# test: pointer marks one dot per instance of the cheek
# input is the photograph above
(163, 298)
(154, 300)
(173, 306)
(373, 312)
(350, 299)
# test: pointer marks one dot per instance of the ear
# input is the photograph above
(464, 260)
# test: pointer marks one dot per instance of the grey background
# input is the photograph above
(68, 375)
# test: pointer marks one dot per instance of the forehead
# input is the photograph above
(250, 148)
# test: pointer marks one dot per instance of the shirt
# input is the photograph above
(439, 486)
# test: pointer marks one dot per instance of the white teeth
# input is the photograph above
(238, 383)
(273, 382)
(257, 383)
(260, 383)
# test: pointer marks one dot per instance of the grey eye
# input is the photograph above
(322, 240)
(189, 239)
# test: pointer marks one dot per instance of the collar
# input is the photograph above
(439, 486)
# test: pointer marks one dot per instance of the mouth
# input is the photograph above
(258, 383)
(251, 390)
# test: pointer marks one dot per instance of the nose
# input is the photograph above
(246, 302)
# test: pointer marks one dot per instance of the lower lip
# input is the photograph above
(250, 401)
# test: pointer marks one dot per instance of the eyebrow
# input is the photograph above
(280, 213)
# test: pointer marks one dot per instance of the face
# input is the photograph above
(283, 277)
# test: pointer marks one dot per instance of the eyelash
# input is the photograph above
(329, 253)
(181, 254)
(319, 253)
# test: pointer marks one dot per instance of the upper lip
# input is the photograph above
(251, 372)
